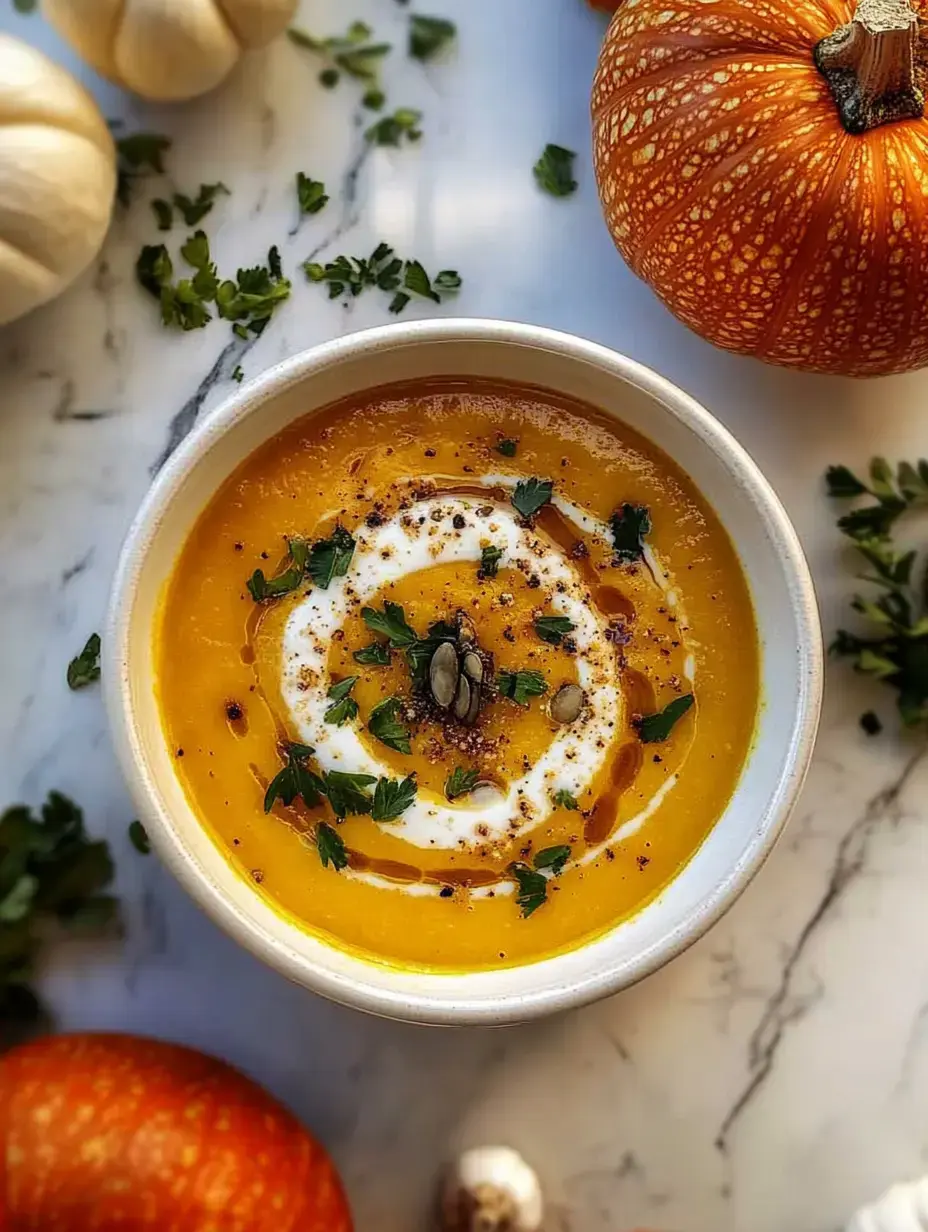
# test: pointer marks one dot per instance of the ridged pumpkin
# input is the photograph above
(763, 164)
(111, 1132)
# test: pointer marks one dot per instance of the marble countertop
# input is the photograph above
(773, 1077)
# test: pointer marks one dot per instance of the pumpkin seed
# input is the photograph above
(462, 700)
(567, 703)
(473, 667)
(473, 709)
(443, 674)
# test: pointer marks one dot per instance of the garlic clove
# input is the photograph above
(491, 1189)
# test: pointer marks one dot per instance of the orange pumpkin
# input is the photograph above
(112, 1132)
(763, 164)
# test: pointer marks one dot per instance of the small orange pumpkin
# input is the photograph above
(112, 1133)
(763, 164)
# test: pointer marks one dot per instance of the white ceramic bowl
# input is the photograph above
(779, 579)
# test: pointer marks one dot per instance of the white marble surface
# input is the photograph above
(774, 1076)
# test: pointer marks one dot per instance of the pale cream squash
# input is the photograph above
(167, 50)
(57, 178)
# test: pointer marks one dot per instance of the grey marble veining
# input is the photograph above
(774, 1076)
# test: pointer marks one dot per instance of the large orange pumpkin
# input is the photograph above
(106, 1132)
(763, 164)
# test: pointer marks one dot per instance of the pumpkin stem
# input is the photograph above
(869, 65)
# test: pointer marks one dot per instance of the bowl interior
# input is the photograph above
(770, 556)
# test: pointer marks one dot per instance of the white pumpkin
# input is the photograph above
(57, 178)
(167, 50)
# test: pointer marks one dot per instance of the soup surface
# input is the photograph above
(458, 676)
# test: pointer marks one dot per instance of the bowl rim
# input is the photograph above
(166, 833)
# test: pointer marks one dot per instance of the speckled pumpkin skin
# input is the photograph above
(106, 1132)
(730, 186)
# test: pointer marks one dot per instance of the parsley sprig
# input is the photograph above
(351, 53)
(384, 726)
(897, 650)
(532, 883)
(322, 561)
(51, 872)
(348, 277)
(392, 797)
(344, 708)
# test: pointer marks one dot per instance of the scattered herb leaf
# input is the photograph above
(373, 100)
(460, 782)
(194, 209)
(392, 797)
(391, 129)
(507, 447)
(137, 155)
(310, 194)
(552, 629)
(344, 707)
(630, 525)
(385, 727)
(565, 799)
(520, 686)
(330, 558)
(163, 212)
(489, 561)
(84, 668)
(530, 495)
(350, 276)
(391, 623)
(375, 655)
(429, 35)
(898, 650)
(346, 792)
(238, 374)
(653, 728)
(331, 847)
(349, 53)
(532, 891)
(289, 579)
(554, 171)
(294, 780)
(138, 837)
(553, 858)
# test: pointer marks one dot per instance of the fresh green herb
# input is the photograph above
(391, 623)
(84, 668)
(507, 447)
(630, 525)
(489, 561)
(460, 782)
(195, 209)
(289, 579)
(330, 558)
(138, 837)
(344, 708)
(552, 629)
(350, 276)
(391, 129)
(238, 374)
(871, 724)
(897, 653)
(392, 797)
(532, 890)
(253, 296)
(51, 872)
(348, 53)
(653, 728)
(385, 727)
(429, 35)
(138, 154)
(554, 171)
(565, 799)
(164, 213)
(346, 792)
(310, 194)
(552, 858)
(373, 100)
(530, 495)
(331, 847)
(375, 655)
(520, 686)
(25, 6)
(294, 780)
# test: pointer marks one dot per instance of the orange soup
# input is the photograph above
(459, 676)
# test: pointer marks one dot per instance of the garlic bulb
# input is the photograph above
(903, 1208)
(167, 49)
(491, 1189)
(57, 178)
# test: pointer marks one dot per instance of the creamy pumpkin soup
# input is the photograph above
(459, 676)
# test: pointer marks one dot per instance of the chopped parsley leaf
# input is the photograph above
(553, 858)
(489, 561)
(565, 799)
(138, 837)
(460, 782)
(262, 588)
(551, 629)
(530, 495)
(84, 668)
(507, 447)
(295, 780)
(429, 35)
(391, 623)
(344, 707)
(554, 171)
(331, 847)
(532, 891)
(330, 558)
(653, 728)
(347, 793)
(392, 797)
(520, 686)
(375, 655)
(385, 727)
(310, 194)
(630, 525)
(391, 129)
